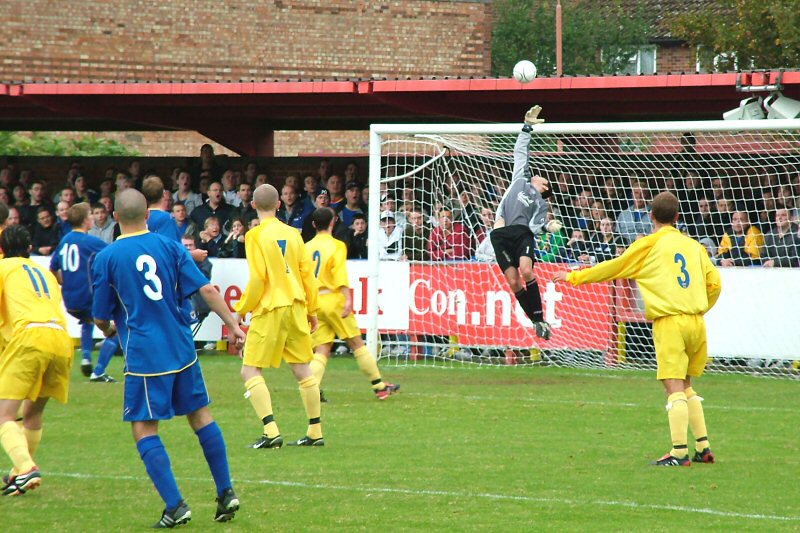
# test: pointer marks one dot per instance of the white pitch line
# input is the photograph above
(706, 405)
(453, 494)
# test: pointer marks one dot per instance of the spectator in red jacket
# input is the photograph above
(450, 241)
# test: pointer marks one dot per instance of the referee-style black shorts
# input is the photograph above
(512, 242)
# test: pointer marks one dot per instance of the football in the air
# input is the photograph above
(524, 71)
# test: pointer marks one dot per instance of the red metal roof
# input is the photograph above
(243, 115)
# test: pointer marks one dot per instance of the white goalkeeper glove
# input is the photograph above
(532, 116)
(554, 226)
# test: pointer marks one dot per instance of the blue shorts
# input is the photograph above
(84, 316)
(166, 396)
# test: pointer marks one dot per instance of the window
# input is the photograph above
(641, 62)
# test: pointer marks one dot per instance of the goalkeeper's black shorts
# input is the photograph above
(512, 242)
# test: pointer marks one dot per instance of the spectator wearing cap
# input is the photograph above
(335, 188)
(388, 203)
(353, 205)
(340, 231)
(450, 241)
(390, 239)
(322, 199)
(292, 211)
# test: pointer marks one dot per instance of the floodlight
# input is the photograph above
(779, 106)
(749, 109)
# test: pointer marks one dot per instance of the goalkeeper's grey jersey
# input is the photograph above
(522, 204)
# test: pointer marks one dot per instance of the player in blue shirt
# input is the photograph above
(71, 264)
(159, 221)
(140, 282)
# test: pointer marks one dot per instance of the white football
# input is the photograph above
(524, 71)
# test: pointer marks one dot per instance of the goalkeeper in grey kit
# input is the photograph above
(521, 215)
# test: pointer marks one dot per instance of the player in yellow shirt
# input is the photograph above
(282, 296)
(329, 258)
(5, 328)
(679, 285)
(35, 364)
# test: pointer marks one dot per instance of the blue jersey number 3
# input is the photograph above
(683, 279)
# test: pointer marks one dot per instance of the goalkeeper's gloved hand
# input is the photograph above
(554, 226)
(532, 116)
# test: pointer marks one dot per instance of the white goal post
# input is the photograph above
(736, 180)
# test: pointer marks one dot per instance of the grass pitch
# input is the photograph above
(489, 449)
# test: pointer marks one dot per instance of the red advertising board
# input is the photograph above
(473, 301)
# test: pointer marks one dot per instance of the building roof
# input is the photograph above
(242, 116)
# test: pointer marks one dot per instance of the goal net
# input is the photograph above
(442, 300)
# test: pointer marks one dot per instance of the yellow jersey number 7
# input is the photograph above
(282, 245)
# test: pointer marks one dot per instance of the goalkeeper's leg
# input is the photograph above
(530, 299)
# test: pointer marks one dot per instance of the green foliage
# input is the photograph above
(597, 37)
(742, 34)
(49, 144)
(458, 449)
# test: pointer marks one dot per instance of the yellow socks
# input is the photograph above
(697, 420)
(33, 438)
(369, 367)
(258, 394)
(13, 441)
(318, 365)
(309, 392)
(678, 414)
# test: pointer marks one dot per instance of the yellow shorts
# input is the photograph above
(331, 323)
(681, 348)
(36, 364)
(282, 333)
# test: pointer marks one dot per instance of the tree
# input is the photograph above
(90, 145)
(599, 37)
(742, 34)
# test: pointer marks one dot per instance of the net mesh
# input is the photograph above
(737, 195)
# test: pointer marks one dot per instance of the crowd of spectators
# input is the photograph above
(742, 221)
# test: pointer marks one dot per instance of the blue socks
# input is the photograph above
(107, 351)
(158, 466)
(87, 340)
(213, 444)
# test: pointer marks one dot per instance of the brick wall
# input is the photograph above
(676, 59)
(109, 40)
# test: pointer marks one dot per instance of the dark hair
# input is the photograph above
(3, 213)
(665, 208)
(16, 241)
(191, 237)
(322, 217)
(359, 216)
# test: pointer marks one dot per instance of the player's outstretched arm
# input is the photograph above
(214, 300)
(625, 266)
(532, 116)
